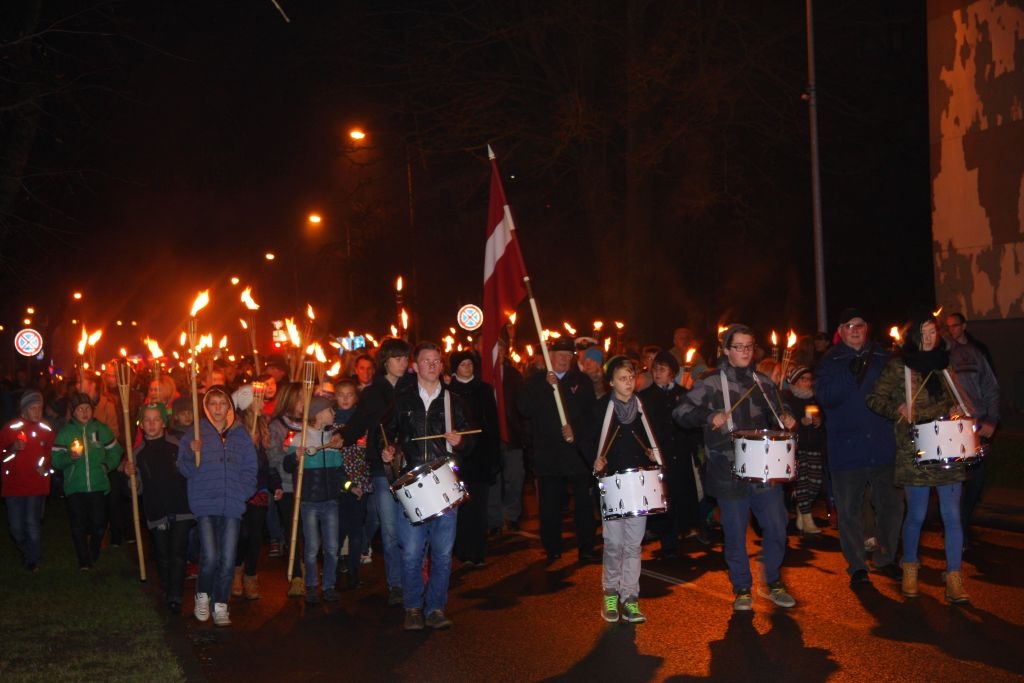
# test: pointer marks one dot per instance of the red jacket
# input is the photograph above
(20, 468)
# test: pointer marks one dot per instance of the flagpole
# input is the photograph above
(544, 351)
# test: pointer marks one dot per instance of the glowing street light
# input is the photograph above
(314, 218)
(357, 134)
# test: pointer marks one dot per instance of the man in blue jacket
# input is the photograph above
(861, 447)
(218, 486)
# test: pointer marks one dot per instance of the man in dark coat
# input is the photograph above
(557, 458)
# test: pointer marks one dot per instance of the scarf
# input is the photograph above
(626, 411)
(930, 365)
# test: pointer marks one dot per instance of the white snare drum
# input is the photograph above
(635, 492)
(764, 455)
(942, 443)
(429, 490)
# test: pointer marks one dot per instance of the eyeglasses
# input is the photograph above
(744, 348)
(850, 327)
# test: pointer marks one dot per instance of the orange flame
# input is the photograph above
(394, 331)
(894, 332)
(619, 325)
(598, 325)
(529, 350)
(201, 301)
(569, 328)
(405, 320)
(245, 325)
(689, 354)
(223, 342)
(248, 300)
(154, 348)
(512, 317)
(95, 337)
(83, 341)
(398, 284)
(791, 340)
(309, 312)
(335, 369)
(775, 339)
(293, 332)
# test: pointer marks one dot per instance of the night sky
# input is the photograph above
(655, 157)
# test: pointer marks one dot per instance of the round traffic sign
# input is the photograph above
(28, 342)
(470, 317)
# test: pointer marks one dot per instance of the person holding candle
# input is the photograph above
(924, 375)
(86, 451)
(322, 485)
(218, 487)
(25, 448)
(810, 445)
(861, 447)
(716, 403)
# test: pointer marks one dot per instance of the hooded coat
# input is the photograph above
(226, 476)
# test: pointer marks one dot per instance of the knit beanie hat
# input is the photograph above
(28, 398)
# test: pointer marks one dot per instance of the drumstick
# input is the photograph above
(914, 400)
(742, 399)
(393, 466)
(642, 444)
(608, 447)
(441, 436)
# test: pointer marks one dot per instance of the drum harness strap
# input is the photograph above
(768, 401)
(728, 401)
(907, 382)
(447, 418)
(655, 451)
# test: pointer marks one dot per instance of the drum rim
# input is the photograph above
(763, 435)
(628, 470)
(417, 473)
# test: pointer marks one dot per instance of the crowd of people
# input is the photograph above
(315, 472)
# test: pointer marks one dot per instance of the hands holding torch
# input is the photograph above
(193, 337)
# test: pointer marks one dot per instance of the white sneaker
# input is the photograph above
(220, 614)
(202, 610)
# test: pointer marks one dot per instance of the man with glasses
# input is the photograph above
(736, 397)
(861, 447)
(970, 359)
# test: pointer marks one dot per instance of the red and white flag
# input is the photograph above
(504, 289)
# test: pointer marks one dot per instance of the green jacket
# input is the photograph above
(101, 453)
(888, 395)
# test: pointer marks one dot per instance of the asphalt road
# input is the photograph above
(520, 620)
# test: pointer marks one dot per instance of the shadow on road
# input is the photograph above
(777, 655)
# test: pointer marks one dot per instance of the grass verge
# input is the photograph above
(60, 624)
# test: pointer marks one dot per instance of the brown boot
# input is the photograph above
(251, 587)
(955, 592)
(236, 583)
(809, 525)
(908, 585)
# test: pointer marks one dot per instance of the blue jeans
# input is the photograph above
(949, 507)
(24, 518)
(218, 544)
(439, 535)
(768, 506)
(320, 526)
(389, 513)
